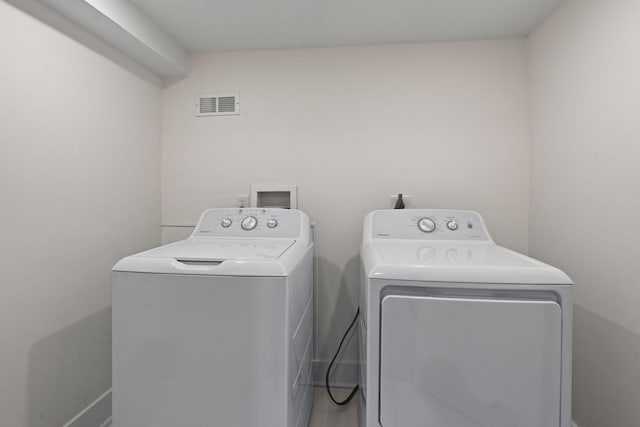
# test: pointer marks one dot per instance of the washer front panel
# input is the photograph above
(186, 350)
(466, 361)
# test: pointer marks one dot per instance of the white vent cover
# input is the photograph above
(219, 104)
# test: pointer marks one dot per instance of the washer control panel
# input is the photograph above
(249, 222)
(428, 224)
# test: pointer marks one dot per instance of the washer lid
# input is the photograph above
(450, 261)
(218, 257)
(221, 249)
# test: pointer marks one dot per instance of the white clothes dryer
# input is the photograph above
(457, 331)
(216, 330)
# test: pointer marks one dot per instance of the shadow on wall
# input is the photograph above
(336, 303)
(53, 19)
(606, 362)
(68, 370)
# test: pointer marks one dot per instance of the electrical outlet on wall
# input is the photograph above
(242, 200)
(406, 198)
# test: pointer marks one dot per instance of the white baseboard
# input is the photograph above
(97, 414)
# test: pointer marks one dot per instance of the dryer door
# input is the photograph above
(463, 362)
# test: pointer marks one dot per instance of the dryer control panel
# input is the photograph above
(250, 222)
(427, 224)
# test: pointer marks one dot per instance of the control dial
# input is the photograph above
(226, 223)
(272, 223)
(427, 225)
(249, 223)
(452, 225)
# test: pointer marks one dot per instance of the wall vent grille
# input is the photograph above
(221, 104)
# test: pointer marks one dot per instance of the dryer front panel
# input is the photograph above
(469, 361)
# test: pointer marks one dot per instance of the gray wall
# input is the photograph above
(446, 122)
(585, 86)
(79, 188)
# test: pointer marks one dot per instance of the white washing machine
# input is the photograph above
(457, 331)
(216, 330)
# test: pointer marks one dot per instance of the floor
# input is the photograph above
(326, 414)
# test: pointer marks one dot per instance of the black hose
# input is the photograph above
(355, 389)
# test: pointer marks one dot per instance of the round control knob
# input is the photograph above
(452, 225)
(272, 223)
(427, 225)
(249, 223)
(226, 223)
